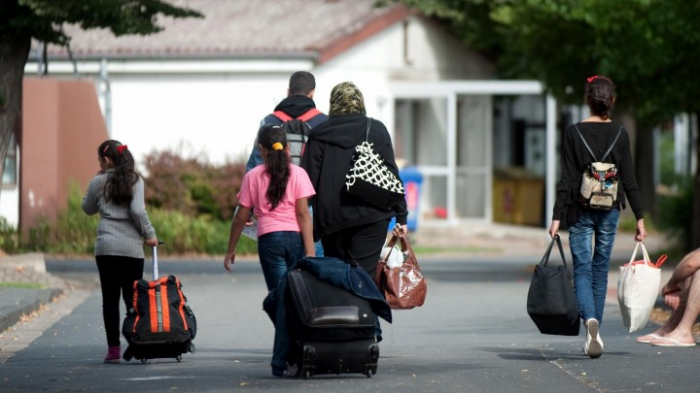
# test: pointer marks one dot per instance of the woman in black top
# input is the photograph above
(349, 228)
(591, 265)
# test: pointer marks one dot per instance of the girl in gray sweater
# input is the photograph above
(116, 193)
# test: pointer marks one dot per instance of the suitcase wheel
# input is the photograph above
(370, 370)
(307, 372)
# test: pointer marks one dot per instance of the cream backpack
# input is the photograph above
(599, 184)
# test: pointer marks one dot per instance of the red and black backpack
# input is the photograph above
(297, 130)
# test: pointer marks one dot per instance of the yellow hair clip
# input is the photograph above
(277, 146)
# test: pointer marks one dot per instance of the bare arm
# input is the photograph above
(237, 225)
(306, 227)
(686, 268)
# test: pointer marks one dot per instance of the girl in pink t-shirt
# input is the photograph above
(277, 193)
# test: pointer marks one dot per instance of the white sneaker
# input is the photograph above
(594, 344)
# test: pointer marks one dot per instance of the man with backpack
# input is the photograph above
(297, 115)
(299, 105)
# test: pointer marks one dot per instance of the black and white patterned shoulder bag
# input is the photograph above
(370, 179)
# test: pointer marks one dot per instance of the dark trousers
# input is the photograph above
(117, 276)
(361, 244)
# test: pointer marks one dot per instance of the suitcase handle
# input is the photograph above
(155, 260)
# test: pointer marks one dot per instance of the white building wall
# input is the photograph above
(214, 107)
(9, 205)
(216, 116)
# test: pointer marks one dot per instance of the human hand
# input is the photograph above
(553, 228)
(399, 229)
(670, 288)
(673, 299)
(640, 234)
(229, 260)
(152, 242)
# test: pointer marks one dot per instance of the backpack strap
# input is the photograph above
(310, 114)
(585, 143)
(612, 144)
(591, 151)
(306, 116)
(282, 116)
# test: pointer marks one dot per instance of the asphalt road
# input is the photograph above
(472, 335)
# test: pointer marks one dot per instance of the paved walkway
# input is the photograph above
(26, 287)
(31, 287)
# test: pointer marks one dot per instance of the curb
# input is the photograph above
(27, 305)
(33, 260)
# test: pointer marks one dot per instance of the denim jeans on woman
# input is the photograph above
(591, 264)
(277, 251)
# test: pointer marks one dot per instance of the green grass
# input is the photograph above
(21, 285)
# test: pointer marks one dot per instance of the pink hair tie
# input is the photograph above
(121, 148)
(591, 79)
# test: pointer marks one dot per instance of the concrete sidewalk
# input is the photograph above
(25, 287)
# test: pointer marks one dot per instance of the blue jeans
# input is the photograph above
(278, 251)
(591, 271)
(318, 246)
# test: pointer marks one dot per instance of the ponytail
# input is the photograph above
(122, 177)
(277, 163)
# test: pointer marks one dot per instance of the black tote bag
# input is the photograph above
(551, 300)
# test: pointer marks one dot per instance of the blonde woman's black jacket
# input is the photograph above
(328, 158)
(575, 158)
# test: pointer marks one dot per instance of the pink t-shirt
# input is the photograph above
(284, 217)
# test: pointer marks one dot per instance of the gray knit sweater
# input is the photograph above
(122, 229)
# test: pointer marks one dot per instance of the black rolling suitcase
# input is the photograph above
(160, 324)
(333, 330)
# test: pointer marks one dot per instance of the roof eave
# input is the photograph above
(376, 25)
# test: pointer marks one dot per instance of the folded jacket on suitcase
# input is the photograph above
(332, 271)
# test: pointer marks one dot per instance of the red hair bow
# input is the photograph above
(121, 148)
(591, 79)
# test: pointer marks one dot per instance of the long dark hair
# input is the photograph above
(274, 140)
(600, 96)
(122, 178)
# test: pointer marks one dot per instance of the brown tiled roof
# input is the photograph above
(245, 28)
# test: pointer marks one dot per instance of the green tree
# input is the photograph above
(24, 20)
(648, 47)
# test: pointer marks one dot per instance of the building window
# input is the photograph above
(9, 174)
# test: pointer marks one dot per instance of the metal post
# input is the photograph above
(106, 93)
(452, 158)
(550, 181)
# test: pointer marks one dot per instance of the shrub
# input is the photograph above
(74, 231)
(183, 234)
(9, 241)
(674, 210)
(191, 185)
(39, 235)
